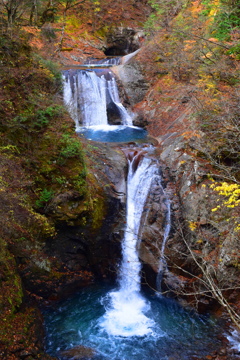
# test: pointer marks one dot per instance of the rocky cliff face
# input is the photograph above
(86, 244)
(201, 251)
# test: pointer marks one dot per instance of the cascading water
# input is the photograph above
(162, 260)
(123, 323)
(126, 313)
(114, 97)
(108, 61)
(88, 94)
(85, 97)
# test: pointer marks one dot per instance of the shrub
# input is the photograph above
(70, 147)
(219, 121)
(45, 197)
(39, 118)
(43, 116)
(53, 68)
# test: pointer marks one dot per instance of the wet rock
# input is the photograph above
(79, 353)
(121, 41)
(140, 120)
(173, 282)
(133, 80)
(154, 221)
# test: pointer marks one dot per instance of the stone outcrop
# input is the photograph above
(133, 81)
(86, 245)
(201, 250)
(205, 238)
(122, 41)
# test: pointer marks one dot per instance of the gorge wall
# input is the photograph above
(202, 247)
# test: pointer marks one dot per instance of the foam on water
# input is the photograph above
(175, 331)
(125, 316)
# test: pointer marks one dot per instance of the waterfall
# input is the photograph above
(126, 314)
(85, 97)
(118, 324)
(108, 61)
(162, 260)
(88, 95)
(114, 97)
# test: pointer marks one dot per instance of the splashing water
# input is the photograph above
(125, 316)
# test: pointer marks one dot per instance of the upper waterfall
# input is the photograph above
(89, 94)
(112, 61)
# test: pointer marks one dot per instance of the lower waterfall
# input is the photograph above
(126, 314)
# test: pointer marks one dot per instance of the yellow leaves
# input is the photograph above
(216, 208)
(97, 6)
(214, 9)
(237, 228)
(207, 83)
(208, 55)
(47, 73)
(230, 193)
(192, 225)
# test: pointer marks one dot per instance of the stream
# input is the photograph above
(123, 321)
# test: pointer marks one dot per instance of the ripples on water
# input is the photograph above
(174, 331)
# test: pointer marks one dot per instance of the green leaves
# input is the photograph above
(45, 197)
(70, 147)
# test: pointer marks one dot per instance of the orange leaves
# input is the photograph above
(189, 44)
(190, 134)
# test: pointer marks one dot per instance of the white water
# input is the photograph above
(126, 314)
(114, 96)
(87, 97)
(127, 57)
(234, 340)
(114, 61)
(162, 261)
(69, 97)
